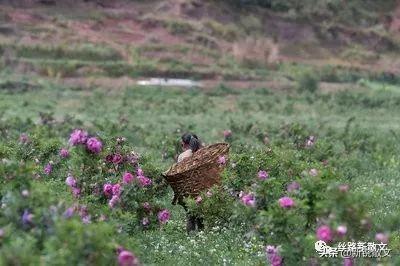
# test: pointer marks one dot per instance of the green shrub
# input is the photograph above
(307, 82)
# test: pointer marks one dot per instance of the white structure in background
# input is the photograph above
(169, 82)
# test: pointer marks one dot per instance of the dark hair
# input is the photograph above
(192, 140)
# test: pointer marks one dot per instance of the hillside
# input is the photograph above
(208, 40)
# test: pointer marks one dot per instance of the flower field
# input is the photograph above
(81, 176)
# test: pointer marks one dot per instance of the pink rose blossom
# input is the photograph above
(146, 206)
(249, 200)
(139, 172)
(222, 160)
(23, 138)
(48, 169)
(70, 181)
(69, 212)
(286, 202)
(324, 233)
(199, 199)
(108, 189)
(27, 217)
(145, 221)
(144, 181)
(313, 172)
(262, 175)
(76, 191)
(273, 256)
(163, 216)
(117, 158)
(341, 230)
(78, 136)
(227, 133)
(126, 258)
(343, 188)
(381, 237)
(132, 158)
(86, 219)
(293, 186)
(310, 141)
(64, 153)
(116, 189)
(113, 201)
(94, 145)
(348, 262)
(127, 178)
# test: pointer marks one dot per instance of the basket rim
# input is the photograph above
(172, 171)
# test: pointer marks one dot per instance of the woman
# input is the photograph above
(190, 144)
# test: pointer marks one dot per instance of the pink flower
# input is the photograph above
(127, 178)
(78, 136)
(146, 206)
(126, 258)
(209, 193)
(76, 191)
(27, 217)
(249, 200)
(262, 175)
(102, 218)
(341, 230)
(286, 202)
(163, 216)
(348, 262)
(227, 133)
(69, 212)
(139, 172)
(310, 141)
(117, 158)
(273, 256)
(23, 138)
(132, 158)
(116, 189)
(293, 186)
(271, 249)
(381, 237)
(145, 221)
(199, 199)
(48, 169)
(221, 160)
(70, 181)
(313, 172)
(64, 153)
(94, 145)
(343, 188)
(324, 233)
(86, 219)
(144, 181)
(113, 201)
(108, 189)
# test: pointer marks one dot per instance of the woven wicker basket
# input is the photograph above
(197, 173)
